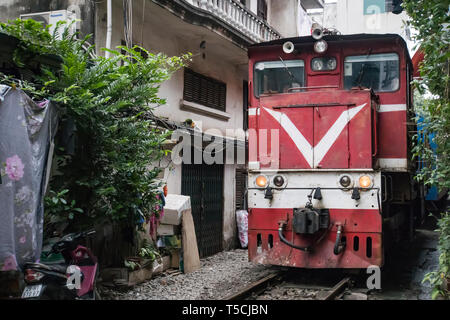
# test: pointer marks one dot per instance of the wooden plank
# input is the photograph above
(331, 294)
(191, 258)
(259, 285)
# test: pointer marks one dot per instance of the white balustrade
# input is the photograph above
(240, 18)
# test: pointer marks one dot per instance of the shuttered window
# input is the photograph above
(262, 9)
(241, 182)
(204, 90)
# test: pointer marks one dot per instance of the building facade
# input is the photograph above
(211, 92)
(364, 16)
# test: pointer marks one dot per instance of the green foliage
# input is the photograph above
(439, 278)
(148, 251)
(431, 19)
(132, 265)
(59, 208)
(110, 101)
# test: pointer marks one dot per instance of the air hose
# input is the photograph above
(338, 245)
(281, 226)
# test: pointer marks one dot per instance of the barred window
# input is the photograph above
(204, 90)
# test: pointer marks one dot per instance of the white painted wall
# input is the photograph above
(351, 19)
(282, 15)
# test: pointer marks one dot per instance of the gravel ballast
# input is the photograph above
(219, 276)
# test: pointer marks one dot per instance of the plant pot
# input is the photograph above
(143, 262)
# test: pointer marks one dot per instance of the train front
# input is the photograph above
(313, 189)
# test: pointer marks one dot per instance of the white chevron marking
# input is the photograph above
(314, 155)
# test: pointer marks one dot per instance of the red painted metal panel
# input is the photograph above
(392, 134)
(339, 153)
(355, 220)
(360, 138)
(357, 223)
(322, 255)
(392, 138)
(313, 115)
(290, 155)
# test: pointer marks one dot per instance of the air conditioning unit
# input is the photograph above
(51, 18)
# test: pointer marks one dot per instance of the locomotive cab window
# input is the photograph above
(279, 76)
(379, 72)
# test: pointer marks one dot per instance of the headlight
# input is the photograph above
(331, 64)
(320, 46)
(345, 181)
(261, 181)
(323, 63)
(365, 182)
(317, 64)
(278, 181)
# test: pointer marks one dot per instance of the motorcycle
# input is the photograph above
(75, 279)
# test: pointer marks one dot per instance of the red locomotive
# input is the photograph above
(330, 181)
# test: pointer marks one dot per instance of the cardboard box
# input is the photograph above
(175, 204)
(167, 230)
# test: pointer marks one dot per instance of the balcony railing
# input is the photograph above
(239, 17)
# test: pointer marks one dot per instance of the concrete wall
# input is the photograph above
(12, 9)
(351, 19)
(282, 15)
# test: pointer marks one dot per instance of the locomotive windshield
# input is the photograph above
(379, 72)
(278, 76)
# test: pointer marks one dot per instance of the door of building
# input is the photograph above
(204, 184)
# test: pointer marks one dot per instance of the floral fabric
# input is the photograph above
(26, 129)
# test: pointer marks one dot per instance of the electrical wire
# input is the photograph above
(143, 22)
(128, 23)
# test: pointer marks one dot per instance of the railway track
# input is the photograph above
(261, 286)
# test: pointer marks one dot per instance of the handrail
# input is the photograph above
(239, 17)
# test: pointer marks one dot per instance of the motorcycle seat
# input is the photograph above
(55, 268)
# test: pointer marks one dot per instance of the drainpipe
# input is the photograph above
(108, 27)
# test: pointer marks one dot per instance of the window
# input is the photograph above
(378, 71)
(204, 90)
(278, 76)
(262, 9)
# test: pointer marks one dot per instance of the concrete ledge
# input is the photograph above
(192, 106)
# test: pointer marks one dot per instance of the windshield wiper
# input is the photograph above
(289, 72)
(360, 75)
(362, 70)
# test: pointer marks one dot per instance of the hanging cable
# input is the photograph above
(128, 23)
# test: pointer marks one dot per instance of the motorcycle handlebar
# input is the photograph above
(60, 245)
(90, 232)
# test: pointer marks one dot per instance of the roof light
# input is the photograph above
(320, 46)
